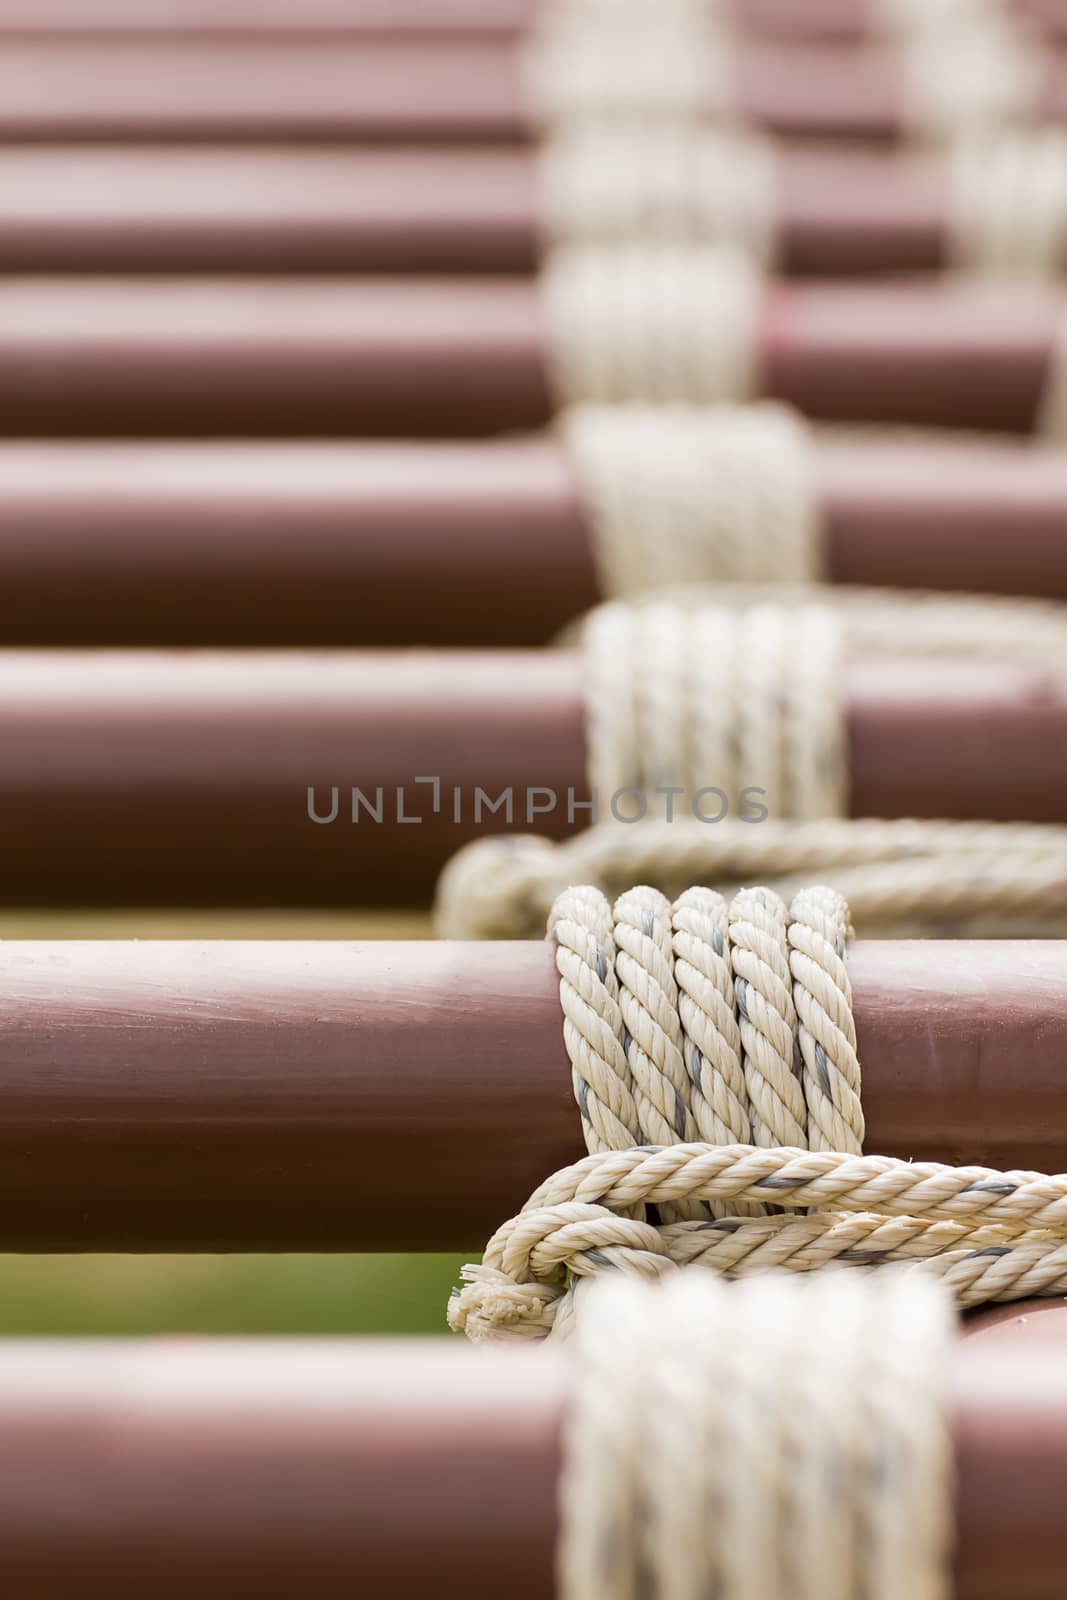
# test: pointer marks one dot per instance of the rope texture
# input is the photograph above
(968, 75)
(747, 693)
(1008, 204)
(781, 1438)
(661, 183)
(764, 1041)
(902, 878)
(712, 697)
(663, 323)
(597, 59)
(676, 495)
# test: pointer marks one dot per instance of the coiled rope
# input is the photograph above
(690, 1023)
(651, 322)
(963, 67)
(781, 1437)
(902, 878)
(668, 182)
(676, 495)
(746, 692)
(1008, 204)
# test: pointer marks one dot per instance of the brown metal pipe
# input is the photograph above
(399, 89)
(194, 779)
(136, 208)
(478, 544)
(354, 1096)
(252, 1470)
(849, 21)
(378, 356)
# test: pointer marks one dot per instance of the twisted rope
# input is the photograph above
(990, 1235)
(662, 323)
(593, 59)
(740, 708)
(741, 701)
(784, 1438)
(965, 75)
(667, 182)
(675, 495)
(1008, 204)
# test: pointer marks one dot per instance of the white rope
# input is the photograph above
(662, 182)
(678, 495)
(654, 323)
(776, 1438)
(741, 710)
(1008, 204)
(967, 79)
(596, 59)
(988, 1235)
(901, 878)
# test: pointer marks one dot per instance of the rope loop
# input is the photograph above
(687, 1024)
(779, 1438)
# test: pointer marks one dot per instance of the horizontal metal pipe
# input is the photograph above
(394, 89)
(839, 20)
(258, 1470)
(228, 208)
(386, 356)
(352, 777)
(354, 1096)
(481, 544)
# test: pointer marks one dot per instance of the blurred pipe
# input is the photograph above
(344, 1096)
(85, 208)
(283, 89)
(386, 356)
(477, 544)
(256, 1470)
(848, 21)
(186, 778)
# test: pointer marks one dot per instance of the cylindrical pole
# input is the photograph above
(147, 208)
(352, 777)
(398, 89)
(378, 356)
(483, 544)
(256, 1470)
(337, 1096)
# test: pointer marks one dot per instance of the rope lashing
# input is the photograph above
(685, 1024)
(779, 1437)
(597, 59)
(902, 878)
(662, 323)
(671, 182)
(1008, 204)
(716, 701)
(962, 67)
(677, 495)
(744, 693)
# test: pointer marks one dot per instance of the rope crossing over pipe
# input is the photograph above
(782, 1438)
(714, 1065)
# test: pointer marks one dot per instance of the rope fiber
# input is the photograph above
(690, 1023)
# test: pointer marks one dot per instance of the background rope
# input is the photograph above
(743, 700)
(989, 1235)
(594, 59)
(716, 703)
(901, 877)
(675, 495)
(1008, 204)
(779, 1438)
(674, 181)
(645, 322)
